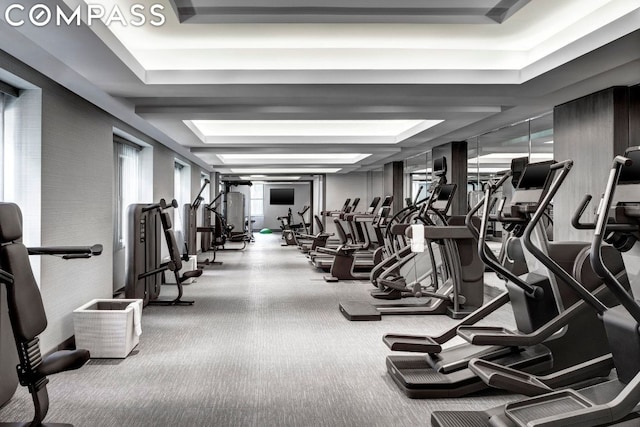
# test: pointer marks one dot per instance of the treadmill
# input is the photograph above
(612, 402)
(549, 315)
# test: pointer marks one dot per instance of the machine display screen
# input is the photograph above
(281, 196)
(445, 192)
(535, 176)
(439, 166)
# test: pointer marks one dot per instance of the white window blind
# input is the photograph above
(126, 187)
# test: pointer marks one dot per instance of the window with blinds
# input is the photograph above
(126, 187)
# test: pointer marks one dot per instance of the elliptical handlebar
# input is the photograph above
(485, 254)
(596, 245)
(563, 168)
(575, 219)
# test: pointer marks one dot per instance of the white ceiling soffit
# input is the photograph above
(542, 35)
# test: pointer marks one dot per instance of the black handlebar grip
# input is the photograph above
(575, 219)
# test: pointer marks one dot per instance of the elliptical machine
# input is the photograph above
(612, 402)
(549, 314)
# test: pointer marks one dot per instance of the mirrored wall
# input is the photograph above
(492, 152)
(417, 176)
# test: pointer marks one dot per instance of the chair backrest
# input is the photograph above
(319, 225)
(26, 310)
(342, 235)
(174, 252)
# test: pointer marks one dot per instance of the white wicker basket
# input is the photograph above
(107, 327)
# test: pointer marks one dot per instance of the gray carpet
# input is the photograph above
(264, 345)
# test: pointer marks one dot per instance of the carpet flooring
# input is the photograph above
(264, 345)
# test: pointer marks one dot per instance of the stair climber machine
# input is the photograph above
(348, 257)
(288, 234)
(554, 400)
(348, 207)
(460, 294)
(309, 242)
(292, 233)
(144, 266)
(550, 317)
(324, 260)
(8, 355)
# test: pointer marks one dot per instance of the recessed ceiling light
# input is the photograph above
(230, 128)
(284, 158)
(250, 171)
(272, 178)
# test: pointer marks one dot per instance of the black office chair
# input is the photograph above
(28, 318)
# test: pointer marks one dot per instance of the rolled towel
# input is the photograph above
(417, 239)
(137, 316)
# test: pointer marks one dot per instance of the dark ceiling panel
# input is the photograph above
(347, 11)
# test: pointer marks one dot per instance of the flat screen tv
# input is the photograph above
(281, 196)
(440, 166)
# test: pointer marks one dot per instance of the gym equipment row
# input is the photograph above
(559, 399)
(563, 293)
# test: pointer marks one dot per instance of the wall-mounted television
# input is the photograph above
(281, 196)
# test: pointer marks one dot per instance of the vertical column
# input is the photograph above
(634, 115)
(214, 187)
(393, 174)
(456, 155)
(590, 130)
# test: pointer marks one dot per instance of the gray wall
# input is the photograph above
(77, 148)
(340, 187)
(589, 130)
(302, 197)
(76, 180)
